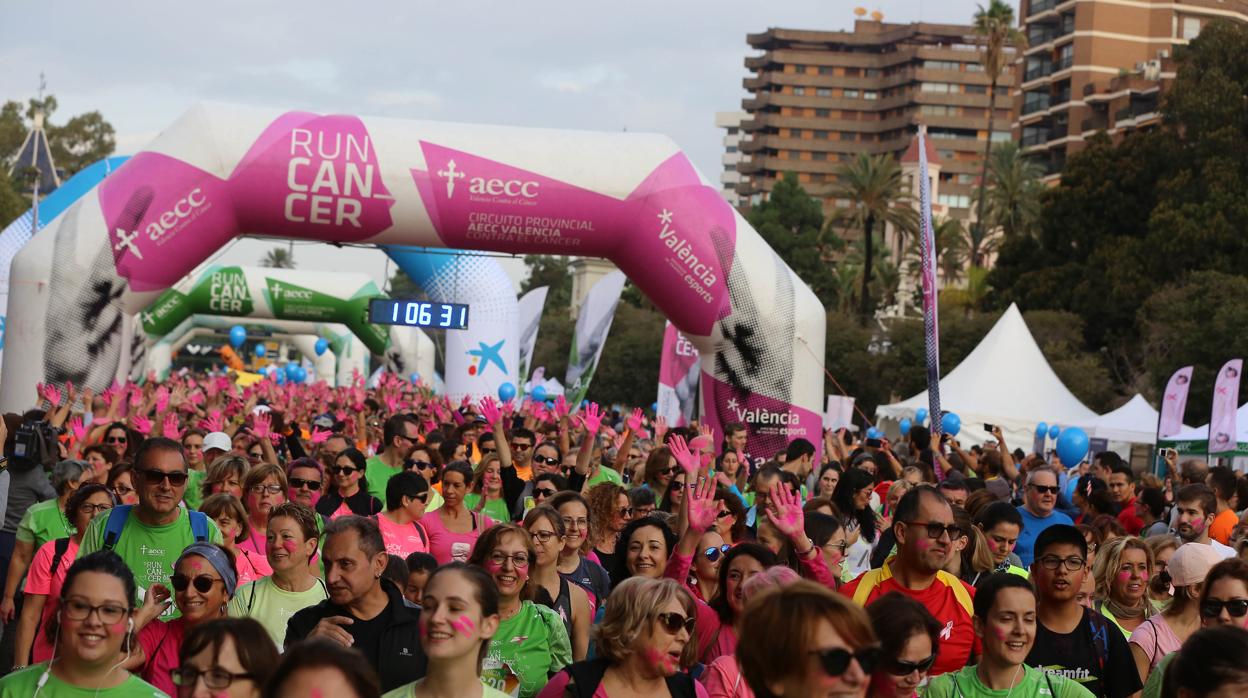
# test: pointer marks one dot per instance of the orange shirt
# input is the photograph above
(1222, 526)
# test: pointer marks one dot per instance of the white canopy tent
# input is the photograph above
(1134, 422)
(1004, 381)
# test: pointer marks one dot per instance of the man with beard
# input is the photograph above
(1195, 507)
(400, 436)
(1071, 640)
(363, 611)
(925, 531)
(1037, 510)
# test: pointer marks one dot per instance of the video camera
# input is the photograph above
(34, 444)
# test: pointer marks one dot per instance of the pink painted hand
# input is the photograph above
(215, 421)
(392, 404)
(591, 418)
(141, 424)
(262, 425)
(489, 410)
(51, 393)
(687, 459)
(539, 412)
(162, 399)
(78, 429)
(660, 428)
(171, 429)
(634, 420)
(708, 432)
(320, 436)
(784, 510)
(702, 506)
(561, 407)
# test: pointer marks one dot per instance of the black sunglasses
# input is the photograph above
(156, 476)
(1045, 489)
(203, 583)
(836, 661)
(547, 460)
(341, 470)
(544, 491)
(422, 496)
(899, 667)
(935, 529)
(299, 483)
(1238, 608)
(420, 465)
(673, 622)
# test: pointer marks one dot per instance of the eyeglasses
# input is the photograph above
(723, 514)
(1074, 563)
(342, 470)
(836, 661)
(546, 460)
(93, 509)
(542, 537)
(935, 529)
(203, 583)
(109, 614)
(1238, 608)
(839, 547)
(298, 483)
(115, 440)
(154, 477)
(422, 497)
(520, 446)
(569, 522)
(673, 622)
(266, 489)
(899, 667)
(421, 465)
(543, 492)
(518, 560)
(1045, 489)
(626, 512)
(122, 490)
(714, 553)
(668, 471)
(215, 678)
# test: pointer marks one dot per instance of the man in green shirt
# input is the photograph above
(400, 436)
(157, 528)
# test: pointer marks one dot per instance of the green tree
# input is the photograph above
(80, 141)
(995, 24)
(791, 222)
(12, 204)
(278, 258)
(1013, 193)
(551, 271)
(949, 239)
(628, 371)
(878, 195)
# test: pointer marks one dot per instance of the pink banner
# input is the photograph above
(678, 378)
(1225, 401)
(772, 423)
(1174, 403)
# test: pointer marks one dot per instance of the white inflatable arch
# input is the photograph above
(220, 171)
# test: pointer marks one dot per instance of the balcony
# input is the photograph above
(1038, 137)
(1095, 123)
(1041, 6)
(1065, 62)
(1034, 102)
(1038, 71)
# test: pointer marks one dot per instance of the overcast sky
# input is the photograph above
(639, 65)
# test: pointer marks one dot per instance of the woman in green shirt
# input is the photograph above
(1005, 622)
(531, 643)
(94, 628)
(487, 489)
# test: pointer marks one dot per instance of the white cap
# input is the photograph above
(218, 440)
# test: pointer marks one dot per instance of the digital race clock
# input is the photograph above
(396, 311)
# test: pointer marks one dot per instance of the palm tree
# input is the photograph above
(278, 258)
(878, 195)
(951, 251)
(996, 24)
(1013, 194)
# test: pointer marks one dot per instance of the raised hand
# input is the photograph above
(687, 459)
(320, 436)
(262, 425)
(78, 429)
(660, 428)
(489, 409)
(538, 410)
(142, 424)
(51, 393)
(634, 420)
(171, 429)
(561, 407)
(702, 505)
(592, 418)
(784, 510)
(162, 399)
(708, 432)
(215, 421)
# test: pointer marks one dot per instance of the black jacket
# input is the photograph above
(400, 659)
(361, 503)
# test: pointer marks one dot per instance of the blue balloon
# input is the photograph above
(539, 393)
(654, 407)
(1072, 446)
(920, 415)
(292, 370)
(301, 374)
(322, 345)
(280, 377)
(260, 350)
(238, 335)
(950, 424)
(1054, 431)
(414, 377)
(584, 403)
(873, 433)
(506, 391)
(905, 426)
(550, 404)
(1041, 429)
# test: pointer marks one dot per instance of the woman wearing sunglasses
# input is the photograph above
(531, 643)
(909, 636)
(348, 495)
(722, 677)
(609, 513)
(117, 437)
(645, 645)
(551, 589)
(203, 583)
(1223, 602)
(43, 582)
(92, 630)
(704, 577)
(406, 496)
(290, 545)
(817, 643)
(661, 466)
(226, 658)
(1005, 622)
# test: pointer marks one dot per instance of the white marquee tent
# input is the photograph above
(1005, 381)
(1134, 422)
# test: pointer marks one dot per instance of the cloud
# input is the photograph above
(404, 98)
(578, 81)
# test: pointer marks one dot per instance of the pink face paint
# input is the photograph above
(464, 625)
(999, 634)
(290, 546)
(1124, 576)
(661, 661)
(117, 628)
(195, 565)
(422, 628)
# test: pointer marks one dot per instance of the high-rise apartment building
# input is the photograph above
(1100, 65)
(729, 177)
(820, 98)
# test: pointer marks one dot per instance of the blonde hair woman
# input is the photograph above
(1122, 569)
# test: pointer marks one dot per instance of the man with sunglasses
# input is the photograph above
(400, 436)
(1072, 640)
(1038, 510)
(151, 535)
(925, 529)
(522, 441)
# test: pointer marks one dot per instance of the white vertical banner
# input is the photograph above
(593, 324)
(839, 413)
(678, 378)
(530, 316)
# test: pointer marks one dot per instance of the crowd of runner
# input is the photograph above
(197, 538)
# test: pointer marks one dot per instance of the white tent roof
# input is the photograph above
(1005, 381)
(1201, 433)
(1135, 422)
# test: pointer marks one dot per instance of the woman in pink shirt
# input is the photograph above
(453, 529)
(406, 495)
(264, 487)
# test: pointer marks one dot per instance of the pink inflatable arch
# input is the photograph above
(220, 171)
